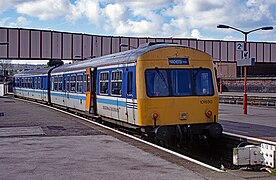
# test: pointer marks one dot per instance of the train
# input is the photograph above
(165, 91)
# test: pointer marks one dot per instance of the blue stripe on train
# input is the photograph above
(115, 102)
(99, 100)
(70, 96)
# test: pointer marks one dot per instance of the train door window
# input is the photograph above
(129, 82)
(116, 82)
(79, 83)
(88, 83)
(73, 83)
(84, 82)
(59, 78)
(104, 82)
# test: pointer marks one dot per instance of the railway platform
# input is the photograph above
(260, 120)
(42, 143)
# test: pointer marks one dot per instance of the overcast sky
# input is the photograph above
(144, 18)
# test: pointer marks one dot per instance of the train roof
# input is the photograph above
(42, 71)
(124, 57)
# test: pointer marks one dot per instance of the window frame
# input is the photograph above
(192, 76)
(79, 83)
(130, 83)
(115, 80)
(73, 79)
(59, 82)
(103, 81)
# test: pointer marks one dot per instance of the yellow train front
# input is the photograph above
(177, 95)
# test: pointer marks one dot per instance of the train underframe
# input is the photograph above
(184, 134)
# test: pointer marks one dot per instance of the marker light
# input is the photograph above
(154, 115)
(209, 113)
(183, 116)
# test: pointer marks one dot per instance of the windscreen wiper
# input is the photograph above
(162, 77)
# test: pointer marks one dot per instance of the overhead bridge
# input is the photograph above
(22, 44)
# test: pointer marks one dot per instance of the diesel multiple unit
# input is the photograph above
(164, 90)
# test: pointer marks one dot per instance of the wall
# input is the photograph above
(260, 84)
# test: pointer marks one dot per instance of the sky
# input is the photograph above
(145, 18)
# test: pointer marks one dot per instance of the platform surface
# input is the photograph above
(41, 143)
(58, 146)
(259, 122)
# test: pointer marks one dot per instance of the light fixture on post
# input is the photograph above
(245, 49)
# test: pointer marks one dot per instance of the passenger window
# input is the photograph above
(104, 82)
(59, 83)
(30, 82)
(116, 83)
(79, 83)
(42, 83)
(35, 83)
(55, 83)
(38, 83)
(73, 83)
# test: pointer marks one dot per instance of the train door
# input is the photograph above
(91, 105)
(130, 101)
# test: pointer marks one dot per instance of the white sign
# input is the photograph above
(239, 46)
(245, 54)
(246, 62)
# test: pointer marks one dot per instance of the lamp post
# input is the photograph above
(245, 49)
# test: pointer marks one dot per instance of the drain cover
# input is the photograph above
(9, 101)
(21, 131)
(56, 128)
